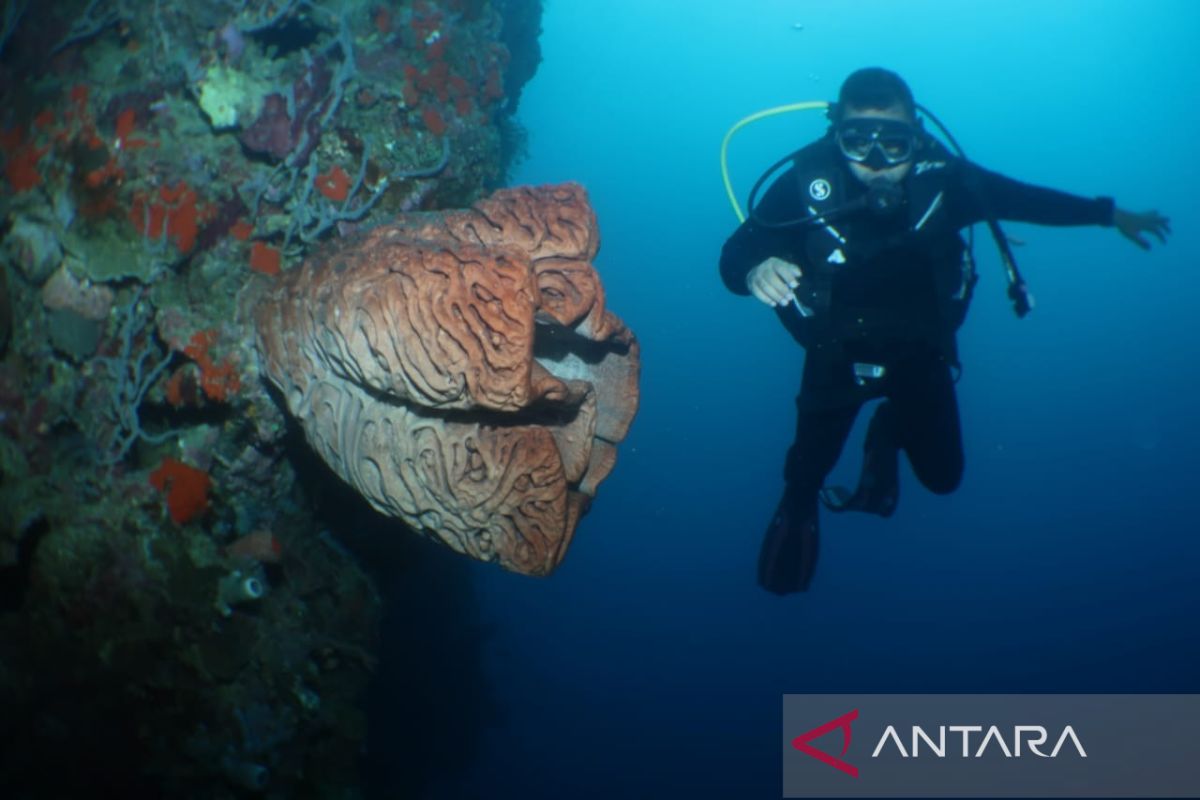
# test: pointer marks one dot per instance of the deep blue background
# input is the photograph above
(650, 664)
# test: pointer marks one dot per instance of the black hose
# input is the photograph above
(751, 205)
(1018, 291)
(807, 219)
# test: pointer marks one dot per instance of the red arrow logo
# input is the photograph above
(801, 742)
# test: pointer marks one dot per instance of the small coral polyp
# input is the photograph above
(229, 97)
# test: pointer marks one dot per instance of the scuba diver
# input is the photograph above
(857, 247)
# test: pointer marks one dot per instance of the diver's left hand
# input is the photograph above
(1132, 226)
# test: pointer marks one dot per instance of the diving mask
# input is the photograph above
(876, 142)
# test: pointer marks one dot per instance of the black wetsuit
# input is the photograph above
(885, 289)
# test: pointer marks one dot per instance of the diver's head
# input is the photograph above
(875, 125)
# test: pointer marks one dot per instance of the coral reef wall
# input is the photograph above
(174, 620)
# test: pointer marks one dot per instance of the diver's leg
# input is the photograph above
(928, 426)
(789, 550)
(879, 484)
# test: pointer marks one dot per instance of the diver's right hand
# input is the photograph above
(773, 280)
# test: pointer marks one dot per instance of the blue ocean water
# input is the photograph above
(650, 664)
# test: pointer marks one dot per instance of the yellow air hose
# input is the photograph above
(811, 105)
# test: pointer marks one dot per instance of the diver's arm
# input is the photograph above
(983, 193)
(742, 251)
(748, 266)
(752, 245)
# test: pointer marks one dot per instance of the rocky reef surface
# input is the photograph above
(186, 607)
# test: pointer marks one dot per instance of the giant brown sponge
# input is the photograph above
(460, 370)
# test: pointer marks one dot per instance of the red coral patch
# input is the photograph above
(433, 120)
(186, 488)
(265, 259)
(334, 184)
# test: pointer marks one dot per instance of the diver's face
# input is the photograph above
(892, 173)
